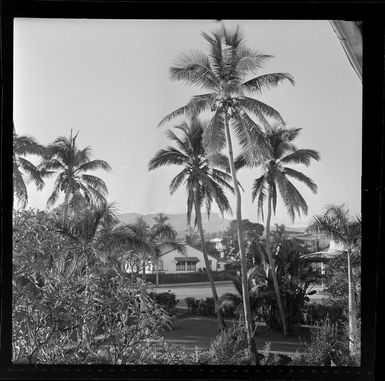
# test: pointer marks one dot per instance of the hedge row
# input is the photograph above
(190, 277)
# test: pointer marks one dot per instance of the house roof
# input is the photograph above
(185, 244)
(187, 259)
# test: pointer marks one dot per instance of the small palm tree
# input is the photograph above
(256, 280)
(98, 226)
(23, 169)
(154, 240)
(160, 219)
(71, 165)
(337, 224)
(274, 179)
(224, 74)
(203, 182)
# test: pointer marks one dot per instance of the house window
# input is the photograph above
(192, 266)
(160, 265)
(210, 263)
(181, 266)
(218, 265)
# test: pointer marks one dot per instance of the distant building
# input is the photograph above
(318, 259)
(191, 260)
(219, 246)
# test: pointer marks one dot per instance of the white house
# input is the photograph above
(191, 260)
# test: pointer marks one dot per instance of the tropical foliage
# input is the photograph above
(63, 314)
(152, 242)
(274, 178)
(337, 223)
(77, 293)
(225, 73)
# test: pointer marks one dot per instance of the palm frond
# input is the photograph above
(163, 232)
(301, 177)
(52, 164)
(167, 156)
(260, 110)
(19, 187)
(267, 82)
(96, 183)
(183, 145)
(218, 161)
(249, 61)
(178, 180)
(258, 185)
(214, 138)
(194, 69)
(32, 171)
(56, 191)
(301, 156)
(93, 165)
(293, 200)
(251, 138)
(195, 106)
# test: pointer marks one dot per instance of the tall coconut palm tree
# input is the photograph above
(228, 74)
(203, 182)
(274, 179)
(337, 224)
(71, 165)
(23, 169)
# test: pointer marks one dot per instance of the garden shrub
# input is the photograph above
(313, 313)
(269, 358)
(206, 307)
(166, 300)
(189, 277)
(192, 305)
(329, 345)
(229, 347)
(67, 307)
(201, 307)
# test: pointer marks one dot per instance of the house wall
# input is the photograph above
(169, 262)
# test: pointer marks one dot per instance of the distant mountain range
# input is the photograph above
(179, 221)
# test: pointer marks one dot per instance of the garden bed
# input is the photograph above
(190, 277)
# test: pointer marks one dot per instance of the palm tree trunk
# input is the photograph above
(245, 286)
(221, 322)
(157, 273)
(271, 261)
(351, 307)
(66, 204)
(144, 271)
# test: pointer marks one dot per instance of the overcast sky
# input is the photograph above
(109, 80)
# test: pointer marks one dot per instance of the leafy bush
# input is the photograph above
(188, 277)
(206, 307)
(273, 358)
(67, 306)
(329, 346)
(229, 347)
(314, 313)
(166, 300)
(201, 307)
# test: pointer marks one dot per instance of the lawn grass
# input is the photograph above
(198, 331)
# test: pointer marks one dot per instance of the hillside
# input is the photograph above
(215, 224)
